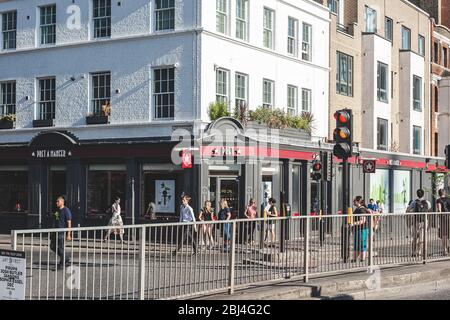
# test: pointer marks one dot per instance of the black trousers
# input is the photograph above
(251, 226)
(186, 233)
(59, 238)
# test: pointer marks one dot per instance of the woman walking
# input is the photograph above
(207, 214)
(272, 212)
(250, 214)
(361, 226)
(225, 215)
(115, 221)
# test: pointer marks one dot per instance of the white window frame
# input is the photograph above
(417, 103)
(403, 39)
(242, 21)
(222, 16)
(159, 13)
(268, 28)
(414, 150)
(422, 45)
(104, 20)
(45, 103)
(371, 20)
(307, 42)
(238, 89)
(8, 99)
(9, 31)
(223, 96)
(268, 93)
(292, 101)
(45, 27)
(171, 94)
(292, 40)
(306, 102)
(380, 145)
(97, 100)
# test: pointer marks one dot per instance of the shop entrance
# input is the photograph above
(225, 188)
(57, 185)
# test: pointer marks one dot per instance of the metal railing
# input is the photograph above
(179, 260)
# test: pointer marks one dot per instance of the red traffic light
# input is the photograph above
(342, 116)
(317, 166)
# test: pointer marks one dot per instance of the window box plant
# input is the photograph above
(100, 118)
(7, 121)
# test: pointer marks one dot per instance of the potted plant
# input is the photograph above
(7, 121)
(102, 117)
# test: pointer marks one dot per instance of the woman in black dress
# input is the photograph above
(207, 214)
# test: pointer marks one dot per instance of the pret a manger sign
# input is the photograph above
(45, 154)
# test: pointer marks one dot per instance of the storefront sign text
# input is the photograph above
(51, 154)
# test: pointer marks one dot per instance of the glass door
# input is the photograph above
(229, 190)
(57, 185)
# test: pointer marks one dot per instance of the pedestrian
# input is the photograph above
(207, 214)
(272, 212)
(372, 205)
(361, 228)
(62, 219)
(187, 232)
(151, 211)
(443, 207)
(115, 221)
(225, 215)
(419, 207)
(380, 206)
(251, 213)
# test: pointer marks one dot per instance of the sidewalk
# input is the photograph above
(349, 286)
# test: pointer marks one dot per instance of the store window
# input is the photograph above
(13, 190)
(105, 182)
(296, 196)
(160, 190)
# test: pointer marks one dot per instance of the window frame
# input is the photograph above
(421, 46)
(292, 40)
(242, 21)
(415, 101)
(349, 74)
(307, 53)
(8, 99)
(419, 130)
(404, 28)
(7, 33)
(266, 103)
(99, 29)
(239, 99)
(97, 102)
(44, 27)
(389, 36)
(380, 145)
(44, 104)
(226, 95)
(380, 90)
(293, 111)
(309, 101)
(269, 32)
(158, 107)
(159, 13)
(366, 19)
(222, 14)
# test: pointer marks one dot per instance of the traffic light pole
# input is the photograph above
(345, 230)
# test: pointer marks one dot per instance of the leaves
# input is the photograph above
(218, 110)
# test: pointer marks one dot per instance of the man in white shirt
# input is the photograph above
(186, 232)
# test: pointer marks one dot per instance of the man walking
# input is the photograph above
(443, 207)
(186, 232)
(62, 219)
(420, 207)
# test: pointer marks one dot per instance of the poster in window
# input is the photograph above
(267, 192)
(379, 188)
(402, 190)
(165, 196)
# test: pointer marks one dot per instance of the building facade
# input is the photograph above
(97, 88)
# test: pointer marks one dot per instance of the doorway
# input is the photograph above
(57, 185)
(225, 188)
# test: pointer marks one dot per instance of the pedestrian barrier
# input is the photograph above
(180, 260)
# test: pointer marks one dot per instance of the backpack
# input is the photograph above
(421, 206)
(445, 204)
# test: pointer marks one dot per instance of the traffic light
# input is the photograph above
(317, 170)
(447, 157)
(343, 134)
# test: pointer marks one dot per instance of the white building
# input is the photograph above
(156, 65)
(198, 41)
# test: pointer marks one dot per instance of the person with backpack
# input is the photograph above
(443, 207)
(420, 206)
